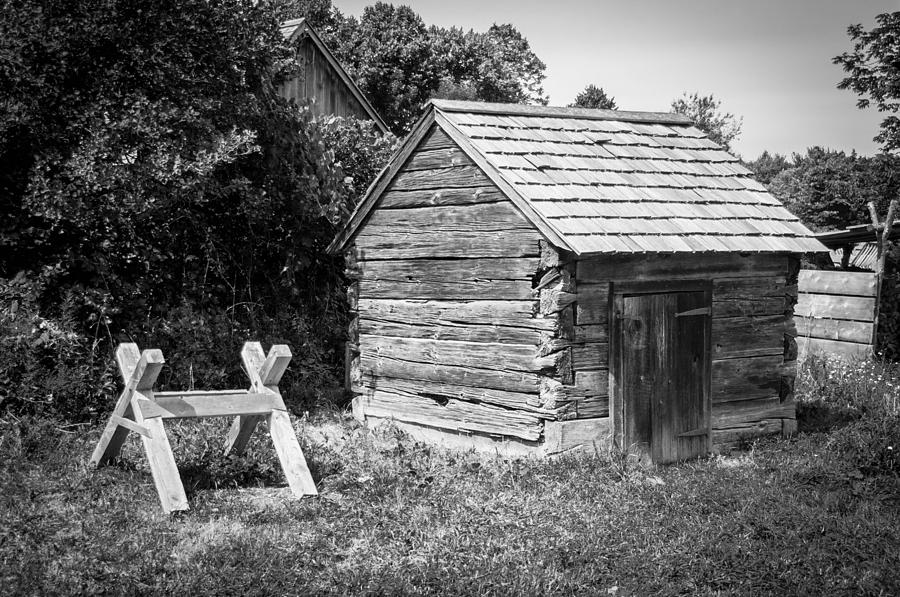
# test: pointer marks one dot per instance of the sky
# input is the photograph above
(768, 61)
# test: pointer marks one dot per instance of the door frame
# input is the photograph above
(618, 290)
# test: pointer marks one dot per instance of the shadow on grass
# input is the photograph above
(818, 416)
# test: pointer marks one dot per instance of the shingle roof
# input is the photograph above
(604, 181)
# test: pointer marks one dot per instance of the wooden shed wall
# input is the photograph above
(321, 82)
(753, 350)
(449, 331)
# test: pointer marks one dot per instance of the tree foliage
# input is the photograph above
(156, 180)
(399, 63)
(873, 72)
(594, 97)
(705, 111)
(768, 165)
(830, 189)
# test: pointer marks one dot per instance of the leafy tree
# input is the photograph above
(594, 97)
(705, 111)
(768, 165)
(392, 57)
(873, 72)
(154, 183)
(830, 190)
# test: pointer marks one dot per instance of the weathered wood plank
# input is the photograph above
(383, 242)
(476, 377)
(748, 297)
(837, 282)
(436, 139)
(290, 454)
(453, 414)
(589, 383)
(481, 217)
(437, 197)
(835, 307)
(590, 407)
(435, 390)
(443, 312)
(505, 334)
(747, 336)
(679, 267)
(593, 303)
(444, 157)
(733, 436)
(728, 415)
(439, 178)
(587, 436)
(181, 405)
(834, 329)
(593, 332)
(590, 356)
(746, 378)
(451, 290)
(516, 357)
(850, 350)
(450, 270)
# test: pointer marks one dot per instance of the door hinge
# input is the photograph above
(693, 312)
(694, 432)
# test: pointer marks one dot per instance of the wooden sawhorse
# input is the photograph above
(142, 410)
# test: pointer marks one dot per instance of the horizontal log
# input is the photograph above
(746, 378)
(589, 383)
(499, 378)
(449, 219)
(397, 242)
(441, 270)
(590, 407)
(503, 334)
(587, 436)
(835, 329)
(436, 197)
(733, 436)
(807, 347)
(590, 356)
(748, 297)
(831, 306)
(436, 138)
(837, 282)
(443, 157)
(443, 312)
(429, 389)
(454, 415)
(593, 332)
(680, 267)
(457, 290)
(439, 178)
(747, 336)
(185, 405)
(593, 303)
(517, 357)
(729, 415)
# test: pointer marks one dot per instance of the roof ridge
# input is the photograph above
(445, 105)
(292, 22)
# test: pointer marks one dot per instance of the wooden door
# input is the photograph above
(663, 373)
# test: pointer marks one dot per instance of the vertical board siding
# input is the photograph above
(835, 313)
(449, 329)
(319, 81)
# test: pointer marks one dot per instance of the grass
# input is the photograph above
(783, 517)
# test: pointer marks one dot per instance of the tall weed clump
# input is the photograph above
(864, 394)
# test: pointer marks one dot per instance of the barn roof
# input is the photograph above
(296, 28)
(605, 181)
